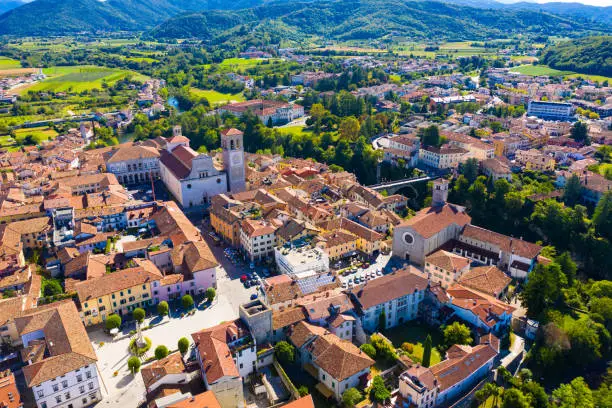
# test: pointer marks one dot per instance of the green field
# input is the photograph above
(142, 59)
(81, 78)
(7, 63)
(217, 98)
(294, 130)
(537, 70)
(39, 134)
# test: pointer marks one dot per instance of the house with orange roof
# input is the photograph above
(482, 311)
(337, 364)
(9, 394)
(445, 267)
(61, 365)
(442, 383)
(226, 354)
(257, 238)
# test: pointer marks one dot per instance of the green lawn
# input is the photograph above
(545, 70)
(8, 63)
(537, 70)
(294, 130)
(81, 78)
(217, 98)
(415, 334)
(39, 134)
(6, 141)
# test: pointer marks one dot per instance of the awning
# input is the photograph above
(326, 392)
(310, 369)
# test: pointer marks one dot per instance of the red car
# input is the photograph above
(243, 278)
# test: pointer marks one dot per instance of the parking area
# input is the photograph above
(357, 275)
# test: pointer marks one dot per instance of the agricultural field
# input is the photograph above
(8, 63)
(457, 49)
(217, 98)
(80, 78)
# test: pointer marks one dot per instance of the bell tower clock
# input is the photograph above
(233, 159)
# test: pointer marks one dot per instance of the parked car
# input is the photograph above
(243, 278)
(254, 296)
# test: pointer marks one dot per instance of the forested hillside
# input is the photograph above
(360, 19)
(56, 17)
(591, 55)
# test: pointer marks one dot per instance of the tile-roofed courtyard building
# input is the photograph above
(61, 368)
(338, 364)
(442, 383)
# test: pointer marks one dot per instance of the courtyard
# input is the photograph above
(415, 333)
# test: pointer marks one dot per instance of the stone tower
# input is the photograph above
(440, 192)
(233, 159)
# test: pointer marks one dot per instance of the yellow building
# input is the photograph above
(34, 232)
(119, 292)
(535, 160)
(226, 225)
(338, 244)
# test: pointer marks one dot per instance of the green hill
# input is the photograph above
(590, 55)
(57, 17)
(365, 19)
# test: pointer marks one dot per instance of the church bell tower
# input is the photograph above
(233, 159)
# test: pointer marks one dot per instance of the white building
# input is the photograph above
(61, 370)
(191, 177)
(257, 239)
(293, 261)
(397, 294)
(444, 157)
(550, 110)
(226, 353)
(339, 364)
(133, 164)
(443, 383)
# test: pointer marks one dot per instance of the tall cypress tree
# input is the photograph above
(427, 351)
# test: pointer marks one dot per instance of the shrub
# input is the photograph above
(210, 294)
(52, 287)
(351, 397)
(303, 390)
(187, 302)
(284, 352)
(134, 364)
(162, 308)
(379, 391)
(113, 322)
(138, 314)
(183, 345)
(369, 350)
(408, 347)
(140, 351)
(384, 349)
(116, 373)
(161, 352)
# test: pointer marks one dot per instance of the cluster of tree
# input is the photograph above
(589, 55)
(514, 111)
(521, 209)
(522, 391)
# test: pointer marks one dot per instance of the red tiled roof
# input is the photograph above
(429, 221)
